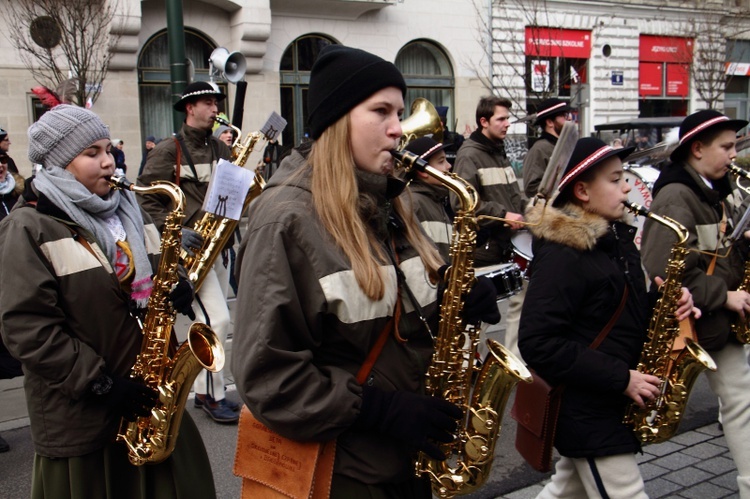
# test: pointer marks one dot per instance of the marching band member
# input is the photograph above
(199, 151)
(696, 191)
(431, 202)
(76, 260)
(317, 287)
(584, 262)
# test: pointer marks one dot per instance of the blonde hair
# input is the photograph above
(335, 196)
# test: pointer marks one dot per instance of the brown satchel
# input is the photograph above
(537, 406)
(275, 467)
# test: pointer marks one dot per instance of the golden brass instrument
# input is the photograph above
(216, 230)
(659, 419)
(452, 375)
(423, 120)
(741, 328)
(152, 439)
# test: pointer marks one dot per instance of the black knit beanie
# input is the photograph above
(341, 78)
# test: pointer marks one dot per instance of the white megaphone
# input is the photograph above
(231, 65)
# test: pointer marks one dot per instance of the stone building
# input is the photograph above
(612, 59)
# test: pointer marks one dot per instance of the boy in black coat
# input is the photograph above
(584, 260)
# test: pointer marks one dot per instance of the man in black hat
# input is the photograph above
(584, 323)
(188, 159)
(550, 117)
(696, 191)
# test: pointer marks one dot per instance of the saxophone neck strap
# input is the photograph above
(604, 332)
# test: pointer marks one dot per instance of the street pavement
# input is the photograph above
(694, 464)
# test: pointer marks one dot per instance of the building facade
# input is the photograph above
(613, 60)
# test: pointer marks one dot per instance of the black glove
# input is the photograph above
(416, 419)
(191, 241)
(481, 303)
(129, 397)
(182, 296)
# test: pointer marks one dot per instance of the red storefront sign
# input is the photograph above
(650, 78)
(555, 42)
(665, 49)
(677, 80)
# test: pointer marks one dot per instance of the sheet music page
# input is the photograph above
(227, 190)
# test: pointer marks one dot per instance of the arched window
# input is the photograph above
(154, 86)
(428, 74)
(294, 70)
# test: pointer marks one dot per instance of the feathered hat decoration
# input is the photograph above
(48, 97)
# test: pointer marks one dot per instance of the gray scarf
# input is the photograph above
(90, 211)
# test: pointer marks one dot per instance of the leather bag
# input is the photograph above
(537, 406)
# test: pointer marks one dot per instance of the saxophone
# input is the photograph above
(481, 394)
(217, 230)
(741, 328)
(659, 419)
(152, 439)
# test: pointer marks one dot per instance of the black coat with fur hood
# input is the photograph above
(581, 266)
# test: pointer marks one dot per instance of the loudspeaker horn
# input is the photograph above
(231, 65)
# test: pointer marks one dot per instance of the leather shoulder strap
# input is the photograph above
(604, 332)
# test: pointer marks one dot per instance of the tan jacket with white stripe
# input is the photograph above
(303, 326)
(66, 318)
(681, 194)
(486, 167)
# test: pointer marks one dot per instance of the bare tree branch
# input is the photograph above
(87, 39)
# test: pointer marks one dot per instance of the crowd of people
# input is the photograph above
(341, 270)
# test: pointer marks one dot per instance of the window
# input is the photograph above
(294, 69)
(428, 74)
(154, 85)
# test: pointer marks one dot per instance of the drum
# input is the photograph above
(522, 253)
(507, 278)
(641, 179)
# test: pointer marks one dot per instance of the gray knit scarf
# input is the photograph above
(90, 211)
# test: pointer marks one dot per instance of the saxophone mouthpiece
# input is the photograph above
(409, 160)
(636, 208)
(738, 171)
(221, 121)
(120, 182)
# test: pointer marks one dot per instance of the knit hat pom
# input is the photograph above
(340, 79)
(62, 133)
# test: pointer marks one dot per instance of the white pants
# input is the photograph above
(731, 383)
(513, 320)
(213, 297)
(618, 476)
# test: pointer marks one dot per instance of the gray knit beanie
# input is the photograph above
(62, 133)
